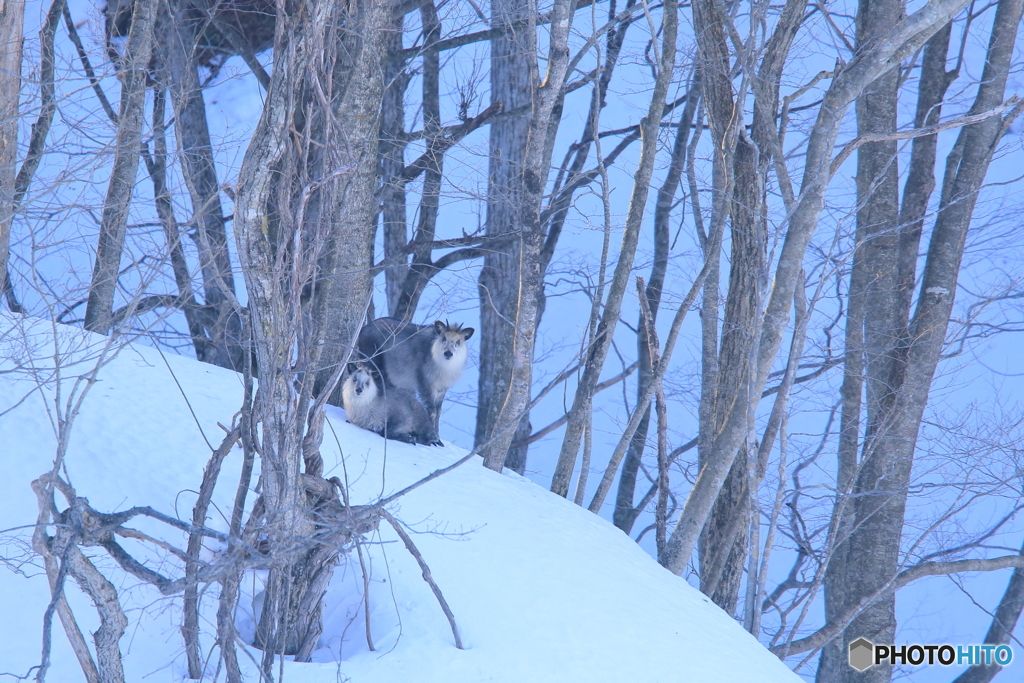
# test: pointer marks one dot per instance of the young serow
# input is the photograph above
(392, 412)
(424, 359)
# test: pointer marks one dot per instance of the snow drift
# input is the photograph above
(542, 590)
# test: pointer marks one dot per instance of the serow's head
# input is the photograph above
(451, 339)
(360, 379)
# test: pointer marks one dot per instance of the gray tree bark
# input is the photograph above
(305, 213)
(594, 362)
(900, 357)
(898, 43)
(180, 34)
(513, 81)
(723, 547)
(746, 290)
(12, 19)
(878, 319)
(156, 164)
(511, 288)
(127, 148)
(734, 173)
(392, 164)
(344, 268)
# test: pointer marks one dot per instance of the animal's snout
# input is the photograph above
(448, 355)
(359, 390)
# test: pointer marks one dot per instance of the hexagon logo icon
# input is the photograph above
(862, 654)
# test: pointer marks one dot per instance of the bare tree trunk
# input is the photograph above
(851, 401)
(875, 283)
(899, 42)
(12, 17)
(156, 163)
(418, 273)
(64, 558)
(513, 77)
(37, 139)
(344, 271)
(511, 289)
(228, 599)
(113, 621)
(392, 163)
(874, 323)
(595, 358)
(625, 514)
(724, 543)
(180, 35)
(742, 308)
(901, 358)
(133, 76)
(191, 597)
(1004, 620)
(305, 212)
(727, 383)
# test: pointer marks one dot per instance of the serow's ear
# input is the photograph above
(439, 327)
(467, 332)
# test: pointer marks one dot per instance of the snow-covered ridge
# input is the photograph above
(542, 590)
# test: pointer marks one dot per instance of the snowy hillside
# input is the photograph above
(541, 589)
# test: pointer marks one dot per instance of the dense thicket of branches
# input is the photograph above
(814, 181)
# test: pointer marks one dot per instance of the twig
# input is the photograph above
(87, 65)
(657, 373)
(190, 619)
(439, 146)
(661, 511)
(411, 547)
(366, 598)
(244, 49)
(958, 122)
(611, 381)
(835, 627)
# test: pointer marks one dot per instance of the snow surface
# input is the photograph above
(541, 589)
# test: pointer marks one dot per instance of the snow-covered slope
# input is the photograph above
(541, 589)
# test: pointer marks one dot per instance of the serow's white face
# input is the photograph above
(449, 347)
(361, 383)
